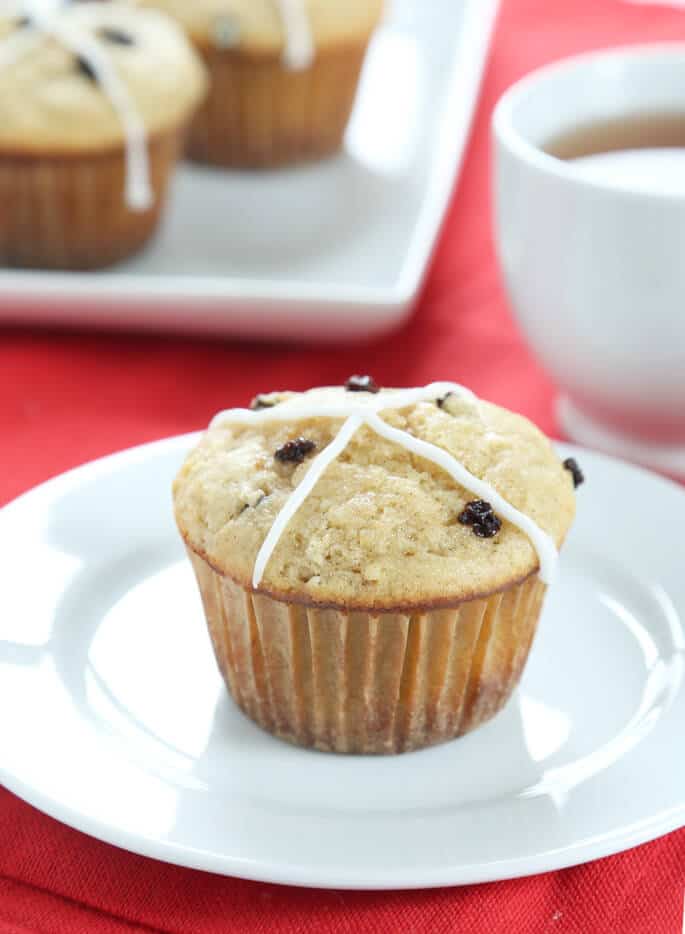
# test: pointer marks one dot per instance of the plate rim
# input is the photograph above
(664, 821)
(305, 876)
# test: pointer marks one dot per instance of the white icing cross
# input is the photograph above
(363, 408)
(45, 20)
(299, 41)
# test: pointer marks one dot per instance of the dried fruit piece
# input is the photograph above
(262, 402)
(571, 464)
(84, 67)
(116, 36)
(361, 384)
(479, 515)
(295, 451)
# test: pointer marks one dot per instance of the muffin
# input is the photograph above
(372, 564)
(94, 105)
(284, 75)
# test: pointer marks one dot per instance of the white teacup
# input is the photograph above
(594, 261)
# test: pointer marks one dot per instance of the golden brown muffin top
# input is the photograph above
(381, 527)
(51, 104)
(257, 25)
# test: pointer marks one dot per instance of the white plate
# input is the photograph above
(337, 249)
(114, 719)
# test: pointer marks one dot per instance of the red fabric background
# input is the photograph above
(65, 399)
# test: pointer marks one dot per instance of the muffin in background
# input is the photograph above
(86, 153)
(284, 76)
(395, 609)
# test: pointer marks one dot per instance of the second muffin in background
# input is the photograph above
(284, 75)
(94, 104)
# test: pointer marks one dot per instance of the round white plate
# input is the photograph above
(114, 719)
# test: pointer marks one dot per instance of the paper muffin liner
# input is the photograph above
(70, 211)
(361, 682)
(259, 114)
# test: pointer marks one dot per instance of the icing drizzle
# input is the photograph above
(299, 41)
(361, 409)
(45, 20)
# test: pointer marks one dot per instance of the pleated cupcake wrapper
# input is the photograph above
(70, 212)
(363, 683)
(259, 114)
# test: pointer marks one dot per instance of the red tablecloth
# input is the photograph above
(67, 399)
